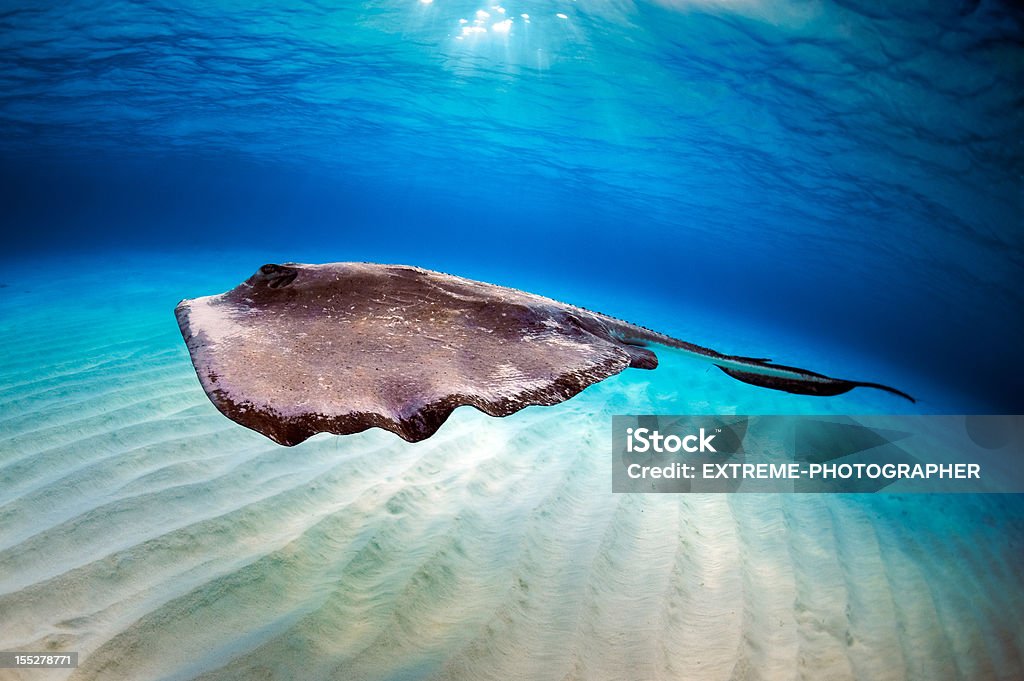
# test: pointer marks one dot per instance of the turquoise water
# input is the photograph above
(162, 541)
(836, 186)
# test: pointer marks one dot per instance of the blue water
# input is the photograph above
(834, 185)
(846, 173)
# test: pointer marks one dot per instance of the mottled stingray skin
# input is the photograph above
(300, 349)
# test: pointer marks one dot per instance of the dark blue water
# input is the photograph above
(846, 173)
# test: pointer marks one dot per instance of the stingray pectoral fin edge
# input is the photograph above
(414, 424)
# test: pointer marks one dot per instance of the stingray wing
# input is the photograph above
(300, 349)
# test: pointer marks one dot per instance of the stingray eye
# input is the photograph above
(283, 278)
(275, 276)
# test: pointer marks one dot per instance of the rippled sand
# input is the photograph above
(143, 529)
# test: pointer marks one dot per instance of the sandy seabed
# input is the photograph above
(143, 529)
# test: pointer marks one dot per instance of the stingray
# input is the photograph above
(300, 349)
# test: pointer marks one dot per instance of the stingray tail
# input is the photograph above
(801, 381)
(754, 370)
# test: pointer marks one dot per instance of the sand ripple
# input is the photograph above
(141, 528)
